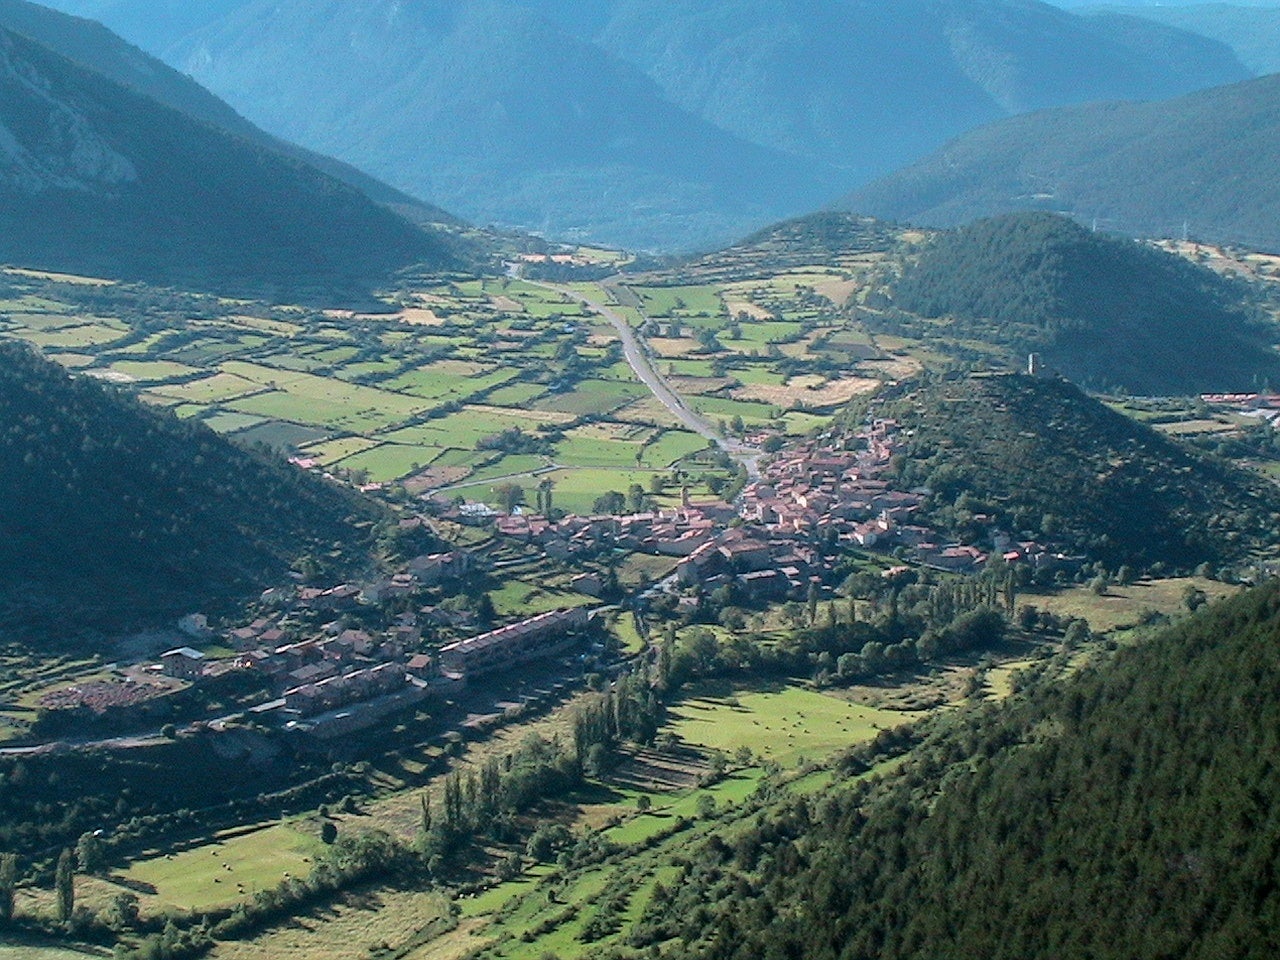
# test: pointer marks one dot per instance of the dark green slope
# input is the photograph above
(1131, 813)
(1103, 310)
(1206, 161)
(113, 515)
(97, 178)
(1043, 457)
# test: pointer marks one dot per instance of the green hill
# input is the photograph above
(1204, 162)
(96, 178)
(117, 516)
(1129, 813)
(1041, 456)
(1104, 311)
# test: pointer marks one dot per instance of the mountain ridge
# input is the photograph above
(1146, 169)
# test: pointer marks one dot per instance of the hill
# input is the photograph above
(1103, 310)
(1204, 161)
(1040, 456)
(96, 178)
(1126, 814)
(117, 516)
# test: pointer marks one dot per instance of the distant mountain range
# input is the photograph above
(1205, 160)
(673, 126)
(99, 177)
(1251, 30)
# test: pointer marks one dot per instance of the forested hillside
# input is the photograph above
(114, 515)
(1041, 456)
(1105, 311)
(1130, 813)
(99, 179)
(1204, 162)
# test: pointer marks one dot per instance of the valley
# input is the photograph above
(810, 488)
(490, 413)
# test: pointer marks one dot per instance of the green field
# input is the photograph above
(784, 725)
(16, 951)
(227, 870)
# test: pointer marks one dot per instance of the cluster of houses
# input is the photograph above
(812, 502)
(1262, 406)
(509, 646)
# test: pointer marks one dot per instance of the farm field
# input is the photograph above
(229, 869)
(407, 396)
(785, 725)
(1124, 606)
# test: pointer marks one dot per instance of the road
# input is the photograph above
(637, 354)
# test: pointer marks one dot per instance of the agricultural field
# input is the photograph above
(786, 725)
(411, 395)
(1124, 606)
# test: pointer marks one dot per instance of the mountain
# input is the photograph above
(1251, 31)
(1206, 160)
(117, 516)
(1103, 310)
(91, 45)
(867, 86)
(1043, 457)
(490, 110)
(153, 24)
(1126, 812)
(675, 126)
(97, 178)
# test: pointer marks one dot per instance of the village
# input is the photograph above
(813, 503)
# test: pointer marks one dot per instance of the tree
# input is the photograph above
(635, 498)
(610, 502)
(508, 496)
(90, 853)
(8, 883)
(544, 496)
(328, 832)
(64, 885)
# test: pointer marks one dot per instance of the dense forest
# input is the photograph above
(1129, 812)
(1041, 457)
(114, 514)
(1104, 311)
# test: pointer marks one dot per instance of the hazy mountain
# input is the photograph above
(95, 177)
(151, 24)
(653, 125)
(495, 113)
(867, 85)
(116, 515)
(89, 44)
(1252, 31)
(1207, 159)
